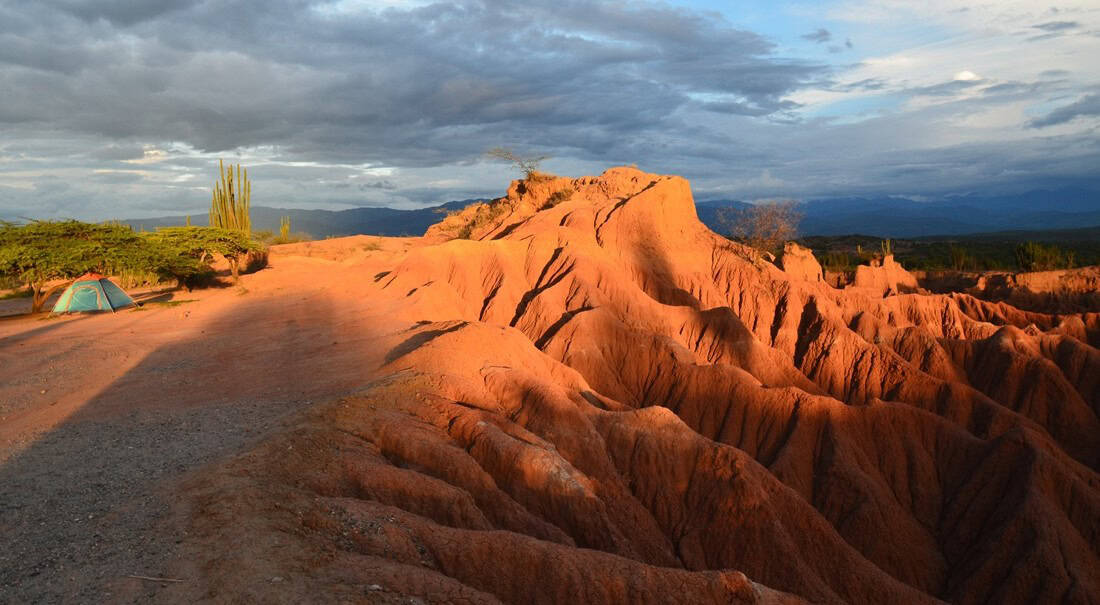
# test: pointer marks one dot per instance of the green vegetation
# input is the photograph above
(1034, 256)
(46, 256)
(181, 245)
(230, 204)
(838, 261)
(42, 253)
(268, 237)
(1009, 251)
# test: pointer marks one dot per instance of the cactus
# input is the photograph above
(887, 247)
(284, 227)
(187, 222)
(229, 206)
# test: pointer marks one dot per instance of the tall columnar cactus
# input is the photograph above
(284, 227)
(229, 206)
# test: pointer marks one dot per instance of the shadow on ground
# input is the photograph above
(89, 502)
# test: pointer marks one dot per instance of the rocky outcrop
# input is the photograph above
(799, 263)
(884, 275)
(1064, 291)
(603, 401)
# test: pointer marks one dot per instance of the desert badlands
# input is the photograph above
(588, 397)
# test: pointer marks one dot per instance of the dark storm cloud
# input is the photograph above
(433, 84)
(1088, 106)
(125, 107)
(820, 36)
(121, 12)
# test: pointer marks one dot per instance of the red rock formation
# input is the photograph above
(799, 263)
(609, 403)
(885, 275)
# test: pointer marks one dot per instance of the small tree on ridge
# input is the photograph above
(765, 226)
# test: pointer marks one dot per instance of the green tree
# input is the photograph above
(48, 255)
(201, 244)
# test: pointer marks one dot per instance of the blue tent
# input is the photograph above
(92, 292)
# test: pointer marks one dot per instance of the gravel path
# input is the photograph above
(89, 503)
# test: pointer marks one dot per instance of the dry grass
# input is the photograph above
(559, 196)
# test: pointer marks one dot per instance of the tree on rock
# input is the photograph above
(766, 226)
(528, 165)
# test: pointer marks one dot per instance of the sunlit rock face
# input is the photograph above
(606, 402)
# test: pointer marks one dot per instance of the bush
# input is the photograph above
(528, 165)
(837, 261)
(765, 227)
(1033, 256)
(559, 196)
(177, 248)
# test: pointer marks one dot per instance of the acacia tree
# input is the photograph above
(766, 226)
(48, 255)
(201, 244)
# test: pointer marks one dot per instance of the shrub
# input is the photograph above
(837, 261)
(483, 214)
(559, 196)
(962, 259)
(177, 245)
(1033, 256)
(765, 227)
(528, 165)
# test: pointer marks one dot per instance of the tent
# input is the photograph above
(92, 292)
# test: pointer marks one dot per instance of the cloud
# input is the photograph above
(391, 102)
(1057, 26)
(949, 88)
(289, 75)
(383, 184)
(1087, 106)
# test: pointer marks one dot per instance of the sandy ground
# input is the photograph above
(101, 414)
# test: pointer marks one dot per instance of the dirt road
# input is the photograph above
(100, 415)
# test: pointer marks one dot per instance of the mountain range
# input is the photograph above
(881, 216)
(1066, 208)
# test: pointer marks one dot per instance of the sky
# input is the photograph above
(114, 109)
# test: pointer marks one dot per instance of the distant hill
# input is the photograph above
(324, 223)
(882, 216)
(900, 217)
